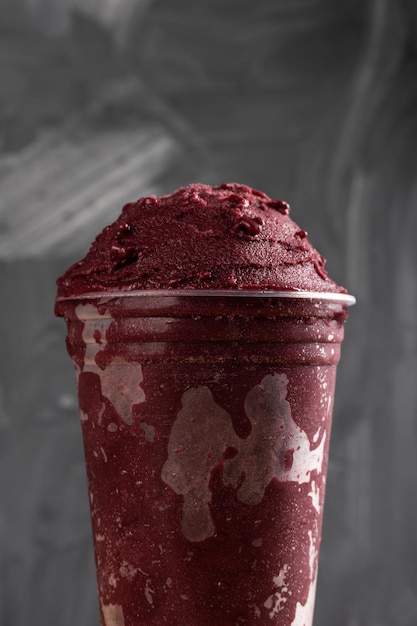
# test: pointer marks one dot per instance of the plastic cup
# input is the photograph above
(206, 423)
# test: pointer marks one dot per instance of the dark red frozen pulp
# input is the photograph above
(201, 237)
(206, 418)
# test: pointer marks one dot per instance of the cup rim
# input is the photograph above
(336, 297)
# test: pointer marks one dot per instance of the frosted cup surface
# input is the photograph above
(206, 423)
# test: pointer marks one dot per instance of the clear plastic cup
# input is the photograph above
(206, 421)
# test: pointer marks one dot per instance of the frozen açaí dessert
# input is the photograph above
(205, 335)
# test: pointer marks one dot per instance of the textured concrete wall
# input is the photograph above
(315, 102)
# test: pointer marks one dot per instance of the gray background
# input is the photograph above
(313, 101)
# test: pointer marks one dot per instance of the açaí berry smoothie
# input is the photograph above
(205, 335)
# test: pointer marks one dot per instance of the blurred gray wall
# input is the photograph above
(102, 101)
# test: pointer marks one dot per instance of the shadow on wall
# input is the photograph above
(103, 102)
